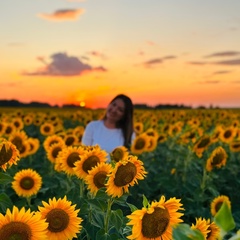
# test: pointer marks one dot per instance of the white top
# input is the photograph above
(107, 139)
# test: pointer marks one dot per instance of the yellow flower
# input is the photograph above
(217, 203)
(228, 134)
(201, 145)
(89, 159)
(9, 154)
(62, 218)
(22, 224)
(119, 153)
(156, 221)
(34, 144)
(51, 140)
(214, 231)
(138, 127)
(47, 129)
(203, 226)
(68, 157)
(27, 182)
(218, 158)
(235, 146)
(97, 176)
(140, 144)
(54, 150)
(126, 173)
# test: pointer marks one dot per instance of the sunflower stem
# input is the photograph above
(81, 189)
(29, 201)
(108, 214)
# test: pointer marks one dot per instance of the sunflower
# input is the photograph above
(9, 154)
(34, 144)
(62, 218)
(19, 139)
(235, 146)
(89, 160)
(47, 129)
(162, 137)
(68, 157)
(2, 128)
(49, 140)
(138, 127)
(140, 144)
(218, 158)
(153, 142)
(228, 134)
(217, 203)
(126, 173)
(119, 153)
(203, 226)
(70, 139)
(28, 120)
(9, 128)
(155, 221)
(22, 224)
(97, 176)
(201, 145)
(18, 123)
(214, 231)
(53, 151)
(27, 182)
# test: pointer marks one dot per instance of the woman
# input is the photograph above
(116, 127)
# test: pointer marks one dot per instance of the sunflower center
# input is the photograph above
(117, 154)
(89, 163)
(46, 129)
(52, 142)
(57, 219)
(156, 223)
(55, 151)
(218, 206)
(204, 142)
(125, 174)
(99, 179)
(227, 134)
(69, 141)
(15, 231)
(27, 183)
(140, 144)
(8, 130)
(217, 159)
(5, 155)
(72, 158)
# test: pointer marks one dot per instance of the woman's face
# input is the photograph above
(115, 110)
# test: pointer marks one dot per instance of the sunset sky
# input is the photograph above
(155, 51)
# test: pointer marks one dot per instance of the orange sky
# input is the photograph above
(87, 51)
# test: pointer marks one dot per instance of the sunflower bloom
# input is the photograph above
(9, 154)
(27, 182)
(22, 224)
(47, 129)
(68, 157)
(214, 231)
(97, 177)
(201, 145)
(140, 144)
(126, 173)
(50, 140)
(235, 146)
(203, 226)
(54, 150)
(217, 159)
(156, 221)
(62, 218)
(217, 203)
(90, 159)
(119, 153)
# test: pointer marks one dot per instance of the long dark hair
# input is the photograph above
(126, 123)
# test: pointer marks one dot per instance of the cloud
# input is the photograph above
(209, 82)
(228, 62)
(221, 72)
(197, 63)
(63, 15)
(97, 54)
(156, 61)
(64, 65)
(223, 54)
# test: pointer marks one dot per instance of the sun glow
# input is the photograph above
(82, 104)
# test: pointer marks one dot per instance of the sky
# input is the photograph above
(88, 51)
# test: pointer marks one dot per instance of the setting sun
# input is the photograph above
(82, 104)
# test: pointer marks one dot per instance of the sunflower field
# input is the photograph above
(179, 180)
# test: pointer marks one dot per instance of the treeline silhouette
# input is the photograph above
(16, 103)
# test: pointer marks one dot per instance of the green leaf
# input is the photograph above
(101, 235)
(5, 178)
(5, 202)
(116, 219)
(132, 207)
(145, 202)
(185, 232)
(224, 218)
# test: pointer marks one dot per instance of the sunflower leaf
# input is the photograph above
(184, 232)
(224, 218)
(5, 202)
(5, 178)
(145, 202)
(132, 207)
